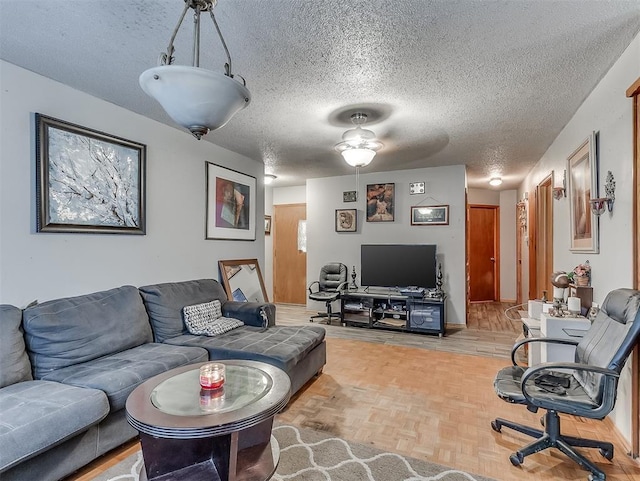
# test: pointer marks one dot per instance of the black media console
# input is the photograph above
(389, 309)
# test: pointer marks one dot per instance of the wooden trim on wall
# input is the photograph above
(634, 92)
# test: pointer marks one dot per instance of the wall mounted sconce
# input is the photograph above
(560, 192)
(598, 205)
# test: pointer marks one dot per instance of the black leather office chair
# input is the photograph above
(333, 278)
(588, 387)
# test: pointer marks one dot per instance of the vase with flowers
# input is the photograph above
(581, 275)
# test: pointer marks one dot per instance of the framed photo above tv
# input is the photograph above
(231, 204)
(380, 202)
(346, 220)
(88, 181)
(430, 215)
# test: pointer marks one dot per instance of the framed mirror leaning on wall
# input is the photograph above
(242, 280)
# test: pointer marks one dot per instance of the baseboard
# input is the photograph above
(508, 301)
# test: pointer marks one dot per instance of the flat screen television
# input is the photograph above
(398, 265)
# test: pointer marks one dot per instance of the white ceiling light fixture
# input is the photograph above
(195, 98)
(269, 178)
(495, 181)
(358, 146)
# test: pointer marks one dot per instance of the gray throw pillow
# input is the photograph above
(14, 362)
(206, 319)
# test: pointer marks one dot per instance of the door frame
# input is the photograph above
(539, 223)
(633, 92)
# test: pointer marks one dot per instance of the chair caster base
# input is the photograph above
(516, 459)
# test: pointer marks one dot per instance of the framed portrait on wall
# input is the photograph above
(582, 170)
(380, 202)
(231, 204)
(346, 220)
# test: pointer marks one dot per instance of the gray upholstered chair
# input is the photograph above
(333, 279)
(586, 387)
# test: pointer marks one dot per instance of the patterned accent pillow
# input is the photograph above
(206, 319)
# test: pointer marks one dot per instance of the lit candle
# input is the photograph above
(573, 304)
(212, 375)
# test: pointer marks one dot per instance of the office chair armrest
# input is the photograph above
(552, 340)
(342, 286)
(311, 285)
(560, 402)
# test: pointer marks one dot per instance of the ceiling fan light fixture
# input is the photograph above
(199, 100)
(358, 146)
(358, 157)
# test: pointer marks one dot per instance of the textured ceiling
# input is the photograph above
(484, 83)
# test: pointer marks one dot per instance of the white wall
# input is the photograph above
(508, 200)
(45, 266)
(444, 185)
(607, 111)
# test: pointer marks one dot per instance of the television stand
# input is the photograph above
(384, 308)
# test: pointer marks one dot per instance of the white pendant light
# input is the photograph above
(358, 146)
(195, 98)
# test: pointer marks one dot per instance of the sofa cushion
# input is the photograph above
(36, 415)
(119, 374)
(280, 346)
(14, 362)
(68, 331)
(164, 303)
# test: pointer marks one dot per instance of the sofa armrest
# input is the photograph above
(257, 314)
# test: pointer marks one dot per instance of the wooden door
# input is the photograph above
(289, 263)
(483, 253)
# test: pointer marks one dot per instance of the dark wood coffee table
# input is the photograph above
(222, 435)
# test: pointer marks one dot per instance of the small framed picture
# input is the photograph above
(430, 215)
(267, 225)
(349, 196)
(346, 220)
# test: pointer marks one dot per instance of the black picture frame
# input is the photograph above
(430, 215)
(346, 220)
(88, 181)
(381, 202)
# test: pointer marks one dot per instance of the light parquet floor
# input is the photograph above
(428, 397)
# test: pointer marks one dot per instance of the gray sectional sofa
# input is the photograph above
(68, 365)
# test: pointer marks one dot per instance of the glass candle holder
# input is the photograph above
(211, 400)
(212, 375)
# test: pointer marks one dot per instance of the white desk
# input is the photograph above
(564, 328)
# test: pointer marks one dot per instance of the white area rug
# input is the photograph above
(308, 455)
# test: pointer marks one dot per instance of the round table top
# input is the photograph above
(173, 405)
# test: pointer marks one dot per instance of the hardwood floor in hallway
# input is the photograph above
(431, 398)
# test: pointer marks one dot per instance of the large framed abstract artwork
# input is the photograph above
(231, 204)
(87, 181)
(582, 169)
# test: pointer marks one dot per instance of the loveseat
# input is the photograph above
(68, 365)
